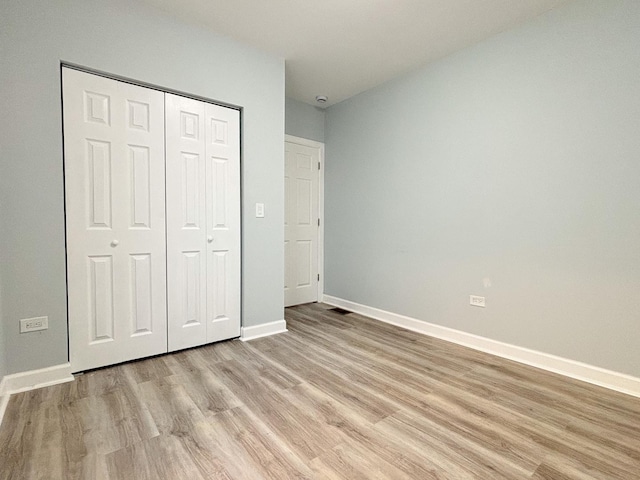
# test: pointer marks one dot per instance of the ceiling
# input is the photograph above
(340, 48)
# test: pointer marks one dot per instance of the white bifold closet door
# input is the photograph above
(152, 196)
(115, 212)
(203, 222)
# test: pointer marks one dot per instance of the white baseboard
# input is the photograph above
(24, 381)
(4, 401)
(619, 382)
(264, 330)
(32, 379)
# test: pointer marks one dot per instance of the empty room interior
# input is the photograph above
(331, 239)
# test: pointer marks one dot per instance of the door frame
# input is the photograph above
(320, 146)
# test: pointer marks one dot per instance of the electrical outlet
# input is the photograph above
(476, 301)
(34, 324)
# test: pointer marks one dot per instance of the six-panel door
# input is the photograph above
(301, 224)
(203, 222)
(115, 216)
(140, 244)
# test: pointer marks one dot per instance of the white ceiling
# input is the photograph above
(340, 48)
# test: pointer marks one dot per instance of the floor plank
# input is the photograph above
(340, 396)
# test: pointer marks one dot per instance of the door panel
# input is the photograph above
(301, 223)
(304, 260)
(102, 301)
(139, 170)
(186, 222)
(142, 284)
(203, 218)
(115, 211)
(223, 222)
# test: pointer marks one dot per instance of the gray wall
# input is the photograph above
(303, 120)
(124, 38)
(516, 161)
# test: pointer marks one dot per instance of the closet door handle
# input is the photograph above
(114, 243)
(210, 238)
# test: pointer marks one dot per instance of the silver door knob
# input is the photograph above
(114, 243)
(210, 238)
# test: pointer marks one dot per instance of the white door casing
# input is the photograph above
(301, 222)
(203, 222)
(115, 220)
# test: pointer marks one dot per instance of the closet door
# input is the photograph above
(115, 220)
(186, 222)
(203, 222)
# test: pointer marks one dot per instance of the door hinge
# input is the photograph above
(318, 165)
(318, 277)
(318, 222)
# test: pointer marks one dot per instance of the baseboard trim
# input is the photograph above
(264, 330)
(619, 382)
(30, 380)
(4, 400)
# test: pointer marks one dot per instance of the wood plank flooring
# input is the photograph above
(337, 397)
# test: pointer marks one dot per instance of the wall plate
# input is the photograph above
(34, 324)
(476, 301)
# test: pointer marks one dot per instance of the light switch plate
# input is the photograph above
(259, 210)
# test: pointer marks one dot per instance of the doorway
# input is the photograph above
(304, 222)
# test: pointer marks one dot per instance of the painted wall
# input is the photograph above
(303, 120)
(125, 38)
(510, 170)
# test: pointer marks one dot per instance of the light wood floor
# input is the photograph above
(338, 397)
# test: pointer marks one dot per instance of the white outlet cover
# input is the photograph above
(476, 301)
(34, 324)
(259, 210)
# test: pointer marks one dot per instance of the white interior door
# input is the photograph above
(115, 218)
(301, 223)
(186, 222)
(203, 222)
(222, 170)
